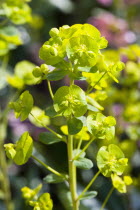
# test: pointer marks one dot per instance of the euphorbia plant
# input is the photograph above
(74, 52)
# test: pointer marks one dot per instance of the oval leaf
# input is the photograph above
(52, 178)
(24, 148)
(74, 126)
(48, 138)
(89, 195)
(83, 163)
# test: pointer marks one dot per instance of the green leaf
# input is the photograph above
(110, 121)
(23, 105)
(83, 163)
(89, 195)
(56, 75)
(50, 111)
(74, 125)
(18, 13)
(48, 138)
(92, 108)
(110, 133)
(70, 100)
(39, 117)
(24, 70)
(24, 147)
(77, 151)
(52, 178)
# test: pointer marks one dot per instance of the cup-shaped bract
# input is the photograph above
(111, 160)
(70, 101)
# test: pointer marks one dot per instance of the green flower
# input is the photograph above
(111, 160)
(70, 101)
(82, 50)
(44, 202)
(120, 183)
(100, 126)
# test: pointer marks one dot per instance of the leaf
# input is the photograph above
(89, 195)
(23, 70)
(50, 111)
(110, 121)
(39, 117)
(83, 163)
(24, 147)
(23, 105)
(92, 108)
(56, 75)
(48, 138)
(53, 178)
(74, 126)
(77, 151)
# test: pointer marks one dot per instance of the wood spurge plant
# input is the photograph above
(74, 52)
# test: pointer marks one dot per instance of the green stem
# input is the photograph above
(52, 131)
(5, 181)
(48, 167)
(72, 173)
(88, 186)
(79, 144)
(90, 89)
(50, 89)
(107, 198)
(84, 149)
(5, 62)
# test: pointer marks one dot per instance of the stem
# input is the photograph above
(5, 180)
(107, 198)
(48, 167)
(87, 145)
(5, 62)
(79, 144)
(52, 131)
(88, 186)
(90, 89)
(50, 89)
(72, 173)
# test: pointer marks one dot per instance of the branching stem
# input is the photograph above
(48, 167)
(84, 149)
(52, 131)
(50, 89)
(88, 186)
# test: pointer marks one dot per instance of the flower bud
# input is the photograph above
(37, 71)
(54, 32)
(44, 68)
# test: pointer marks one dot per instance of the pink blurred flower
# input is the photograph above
(105, 2)
(114, 29)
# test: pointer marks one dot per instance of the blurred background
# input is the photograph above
(119, 22)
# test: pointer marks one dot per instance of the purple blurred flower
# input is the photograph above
(105, 2)
(18, 127)
(114, 29)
